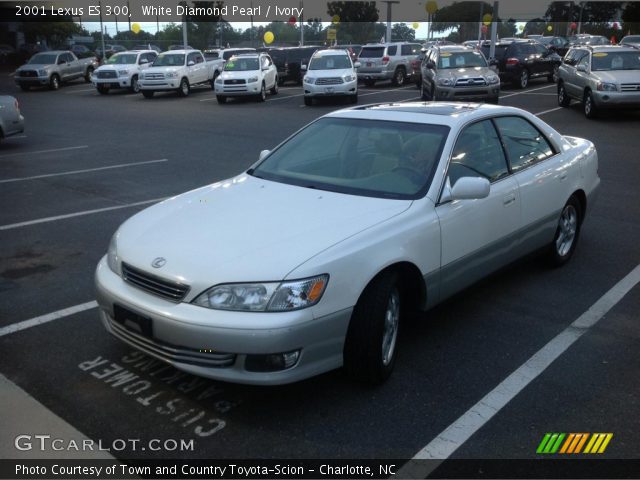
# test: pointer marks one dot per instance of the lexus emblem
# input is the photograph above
(158, 262)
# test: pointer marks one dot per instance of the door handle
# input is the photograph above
(509, 199)
(563, 175)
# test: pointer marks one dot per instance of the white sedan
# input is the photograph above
(309, 260)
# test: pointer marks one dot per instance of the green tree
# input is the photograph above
(54, 34)
(402, 32)
(631, 18)
(356, 20)
(465, 17)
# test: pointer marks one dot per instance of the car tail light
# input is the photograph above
(385, 60)
(17, 105)
(512, 61)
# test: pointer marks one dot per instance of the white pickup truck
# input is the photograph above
(178, 70)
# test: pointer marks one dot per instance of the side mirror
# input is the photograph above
(303, 68)
(263, 154)
(470, 188)
(143, 61)
(190, 63)
(581, 68)
(357, 65)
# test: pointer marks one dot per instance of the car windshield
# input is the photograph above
(330, 62)
(169, 60)
(371, 52)
(43, 59)
(602, 61)
(122, 59)
(359, 157)
(631, 39)
(239, 64)
(461, 60)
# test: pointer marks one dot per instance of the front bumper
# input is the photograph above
(159, 85)
(119, 82)
(616, 99)
(347, 88)
(182, 331)
(488, 92)
(32, 80)
(238, 90)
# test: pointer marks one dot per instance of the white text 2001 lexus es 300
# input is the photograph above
(307, 261)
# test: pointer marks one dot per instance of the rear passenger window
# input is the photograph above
(478, 153)
(524, 143)
(406, 50)
(391, 50)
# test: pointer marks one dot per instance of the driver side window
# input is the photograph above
(478, 153)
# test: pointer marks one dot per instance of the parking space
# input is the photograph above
(87, 162)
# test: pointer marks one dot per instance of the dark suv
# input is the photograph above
(520, 60)
(288, 62)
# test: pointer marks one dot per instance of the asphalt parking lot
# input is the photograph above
(87, 162)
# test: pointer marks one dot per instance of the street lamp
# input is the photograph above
(389, 3)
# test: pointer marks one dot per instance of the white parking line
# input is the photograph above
(527, 91)
(45, 151)
(122, 165)
(451, 438)
(49, 317)
(11, 226)
(81, 91)
(548, 111)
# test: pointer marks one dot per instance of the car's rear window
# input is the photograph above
(501, 51)
(371, 52)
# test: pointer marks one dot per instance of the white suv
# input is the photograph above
(249, 74)
(122, 70)
(330, 73)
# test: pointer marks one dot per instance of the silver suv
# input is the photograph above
(457, 72)
(600, 77)
(387, 61)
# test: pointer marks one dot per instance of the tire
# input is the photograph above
(567, 233)
(54, 82)
(419, 84)
(262, 96)
(87, 75)
(553, 77)
(308, 101)
(588, 106)
(221, 99)
(184, 89)
(369, 83)
(370, 346)
(398, 77)
(148, 93)
(216, 74)
(353, 98)
(135, 87)
(523, 81)
(423, 93)
(274, 90)
(563, 99)
(102, 90)
(280, 81)
(25, 88)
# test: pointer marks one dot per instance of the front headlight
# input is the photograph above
(348, 78)
(123, 72)
(112, 255)
(253, 79)
(607, 87)
(142, 76)
(265, 297)
(491, 79)
(445, 82)
(171, 74)
(219, 81)
(309, 80)
(42, 73)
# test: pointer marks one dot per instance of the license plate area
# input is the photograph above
(329, 90)
(133, 321)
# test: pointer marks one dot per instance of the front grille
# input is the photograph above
(235, 82)
(107, 74)
(234, 88)
(154, 76)
(329, 81)
(470, 82)
(470, 92)
(161, 287)
(28, 73)
(630, 87)
(172, 353)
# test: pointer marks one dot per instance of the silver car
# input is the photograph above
(387, 61)
(456, 72)
(11, 121)
(600, 77)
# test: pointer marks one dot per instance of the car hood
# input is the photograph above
(162, 69)
(330, 73)
(239, 75)
(618, 76)
(36, 66)
(465, 72)
(103, 68)
(245, 229)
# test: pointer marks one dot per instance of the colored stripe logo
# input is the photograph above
(573, 443)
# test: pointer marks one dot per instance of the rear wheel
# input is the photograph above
(184, 89)
(553, 76)
(274, 89)
(563, 98)
(102, 89)
(370, 347)
(221, 99)
(398, 77)
(308, 101)
(588, 106)
(147, 93)
(423, 92)
(523, 80)
(567, 233)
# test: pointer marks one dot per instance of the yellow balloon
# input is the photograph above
(549, 28)
(268, 37)
(415, 25)
(431, 7)
(135, 27)
(487, 18)
(336, 19)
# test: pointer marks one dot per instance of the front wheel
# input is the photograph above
(102, 89)
(135, 87)
(184, 89)
(274, 89)
(87, 75)
(567, 233)
(553, 76)
(589, 106)
(563, 98)
(353, 98)
(370, 347)
(262, 96)
(25, 88)
(147, 93)
(54, 83)
(221, 99)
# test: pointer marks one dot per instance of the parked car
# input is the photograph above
(591, 40)
(352, 49)
(179, 47)
(289, 61)
(387, 61)
(177, 70)
(631, 41)
(11, 120)
(54, 68)
(311, 259)
(600, 77)
(247, 74)
(225, 53)
(81, 51)
(330, 73)
(109, 50)
(122, 70)
(148, 46)
(522, 60)
(458, 73)
(560, 45)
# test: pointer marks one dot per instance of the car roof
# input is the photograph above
(180, 51)
(328, 52)
(607, 48)
(454, 48)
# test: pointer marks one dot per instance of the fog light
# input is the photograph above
(273, 362)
